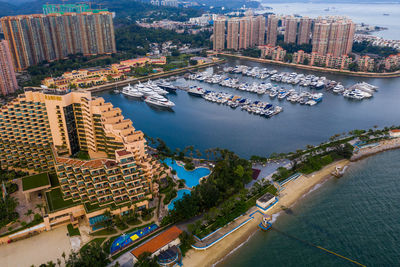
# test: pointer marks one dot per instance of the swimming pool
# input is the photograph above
(180, 194)
(126, 239)
(192, 178)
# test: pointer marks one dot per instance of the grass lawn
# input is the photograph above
(54, 179)
(73, 231)
(56, 202)
(35, 181)
(104, 232)
(122, 226)
(97, 241)
(135, 222)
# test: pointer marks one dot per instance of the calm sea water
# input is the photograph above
(356, 216)
(371, 13)
(203, 124)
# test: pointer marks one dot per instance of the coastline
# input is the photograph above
(292, 193)
(320, 69)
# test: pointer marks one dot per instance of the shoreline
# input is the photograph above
(319, 69)
(293, 192)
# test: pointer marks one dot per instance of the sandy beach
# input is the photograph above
(292, 192)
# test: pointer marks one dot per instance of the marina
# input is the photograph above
(357, 91)
(207, 124)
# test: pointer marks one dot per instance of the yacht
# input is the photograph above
(146, 91)
(166, 86)
(159, 101)
(131, 91)
(196, 91)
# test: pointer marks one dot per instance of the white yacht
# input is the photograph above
(146, 91)
(159, 101)
(131, 91)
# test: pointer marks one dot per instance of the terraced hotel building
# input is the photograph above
(41, 131)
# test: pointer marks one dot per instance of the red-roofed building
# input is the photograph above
(160, 243)
(394, 133)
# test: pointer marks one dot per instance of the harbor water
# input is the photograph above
(195, 121)
(356, 216)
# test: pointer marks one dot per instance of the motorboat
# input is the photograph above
(159, 101)
(131, 91)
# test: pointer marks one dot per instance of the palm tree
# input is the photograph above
(63, 255)
(29, 213)
(198, 153)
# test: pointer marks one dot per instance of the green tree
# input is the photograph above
(29, 213)
(91, 255)
(146, 260)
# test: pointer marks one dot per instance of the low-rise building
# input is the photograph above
(163, 245)
(315, 59)
(266, 201)
(276, 53)
(366, 63)
(95, 76)
(392, 62)
(394, 133)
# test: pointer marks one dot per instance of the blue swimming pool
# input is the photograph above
(191, 177)
(180, 194)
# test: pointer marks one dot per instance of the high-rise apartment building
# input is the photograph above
(333, 36)
(291, 29)
(37, 38)
(244, 32)
(39, 131)
(304, 31)
(8, 81)
(257, 30)
(232, 38)
(219, 34)
(272, 30)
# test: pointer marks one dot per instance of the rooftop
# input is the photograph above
(35, 181)
(96, 163)
(265, 198)
(158, 242)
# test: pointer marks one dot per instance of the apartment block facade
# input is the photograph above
(232, 38)
(272, 30)
(304, 31)
(219, 34)
(291, 29)
(40, 131)
(242, 33)
(333, 35)
(37, 38)
(8, 81)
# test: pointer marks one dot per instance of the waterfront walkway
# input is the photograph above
(216, 236)
(320, 69)
(371, 150)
